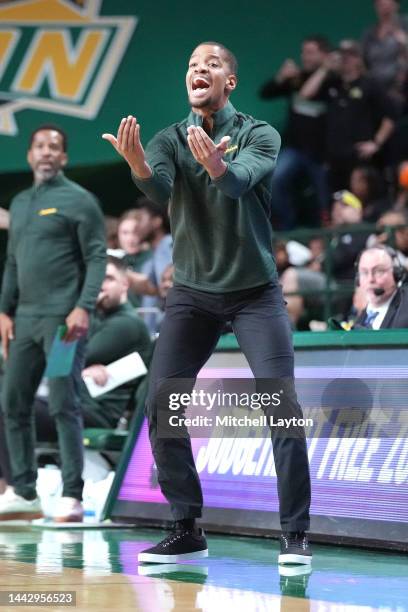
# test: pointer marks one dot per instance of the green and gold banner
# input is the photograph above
(84, 64)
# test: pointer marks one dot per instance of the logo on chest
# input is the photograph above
(47, 211)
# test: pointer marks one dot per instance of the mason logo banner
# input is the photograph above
(58, 56)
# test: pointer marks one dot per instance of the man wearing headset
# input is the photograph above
(380, 277)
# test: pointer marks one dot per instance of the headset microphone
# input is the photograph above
(378, 291)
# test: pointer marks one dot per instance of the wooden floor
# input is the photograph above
(241, 574)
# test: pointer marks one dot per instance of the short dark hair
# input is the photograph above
(131, 213)
(55, 128)
(120, 264)
(229, 56)
(154, 210)
(321, 41)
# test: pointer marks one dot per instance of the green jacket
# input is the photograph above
(56, 253)
(112, 336)
(221, 229)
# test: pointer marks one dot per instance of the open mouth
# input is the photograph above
(200, 85)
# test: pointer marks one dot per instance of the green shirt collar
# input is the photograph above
(220, 117)
(120, 309)
(55, 181)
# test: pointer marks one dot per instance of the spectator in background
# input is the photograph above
(380, 278)
(111, 230)
(344, 248)
(390, 232)
(304, 137)
(166, 281)
(360, 116)
(385, 45)
(281, 256)
(367, 184)
(152, 228)
(136, 254)
(347, 213)
(401, 198)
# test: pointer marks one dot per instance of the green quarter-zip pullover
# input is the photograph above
(113, 335)
(222, 236)
(56, 254)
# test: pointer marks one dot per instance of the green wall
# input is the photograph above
(150, 80)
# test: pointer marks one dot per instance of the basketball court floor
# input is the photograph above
(241, 575)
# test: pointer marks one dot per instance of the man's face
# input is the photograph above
(147, 225)
(128, 237)
(359, 184)
(312, 56)
(209, 80)
(166, 281)
(46, 155)
(375, 272)
(350, 62)
(114, 289)
(401, 240)
(401, 235)
(342, 213)
(386, 8)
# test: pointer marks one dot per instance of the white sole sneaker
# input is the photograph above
(68, 510)
(152, 558)
(68, 519)
(295, 559)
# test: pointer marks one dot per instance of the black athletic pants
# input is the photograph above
(188, 335)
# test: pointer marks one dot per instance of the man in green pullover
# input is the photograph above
(115, 331)
(55, 266)
(214, 169)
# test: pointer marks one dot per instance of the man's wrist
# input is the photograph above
(87, 309)
(218, 171)
(142, 173)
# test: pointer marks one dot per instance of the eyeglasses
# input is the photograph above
(375, 272)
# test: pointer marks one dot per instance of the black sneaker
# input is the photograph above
(182, 544)
(295, 548)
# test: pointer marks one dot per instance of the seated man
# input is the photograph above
(115, 331)
(380, 275)
(392, 229)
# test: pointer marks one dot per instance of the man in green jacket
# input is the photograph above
(116, 331)
(215, 169)
(55, 266)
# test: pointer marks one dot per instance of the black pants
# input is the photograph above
(188, 335)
